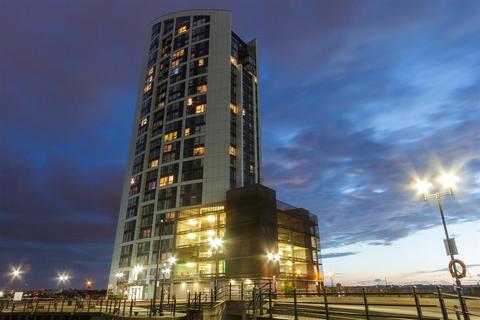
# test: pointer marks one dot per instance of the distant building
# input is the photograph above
(194, 169)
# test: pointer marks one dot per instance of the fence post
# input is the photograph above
(200, 300)
(195, 300)
(241, 291)
(188, 300)
(365, 302)
(211, 298)
(131, 307)
(260, 301)
(295, 311)
(463, 305)
(174, 304)
(442, 303)
(270, 302)
(89, 301)
(63, 301)
(417, 303)
(325, 301)
(230, 291)
(253, 302)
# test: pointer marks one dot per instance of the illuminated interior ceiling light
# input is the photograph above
(211, 218)
(119, 275)
(215, 243)
(190, 264)
(192, 222)
(210, 232)
(191, 235)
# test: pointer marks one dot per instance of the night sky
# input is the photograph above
(358, 98)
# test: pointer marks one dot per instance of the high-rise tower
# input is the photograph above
(195, 137)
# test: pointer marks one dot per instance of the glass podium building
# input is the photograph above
(193, 177)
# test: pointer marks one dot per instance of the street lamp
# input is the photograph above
(448, 182)
(16, 273)
(159, 253)
(215, 245)
(62, 279)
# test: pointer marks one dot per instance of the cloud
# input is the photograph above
(331, 255)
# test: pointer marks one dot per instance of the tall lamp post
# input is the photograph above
(159, 253)
(448, 182)
(215, 245)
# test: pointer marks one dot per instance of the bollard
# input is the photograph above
(365, 302)
(124, 305)
(188, 300)
(295, 311)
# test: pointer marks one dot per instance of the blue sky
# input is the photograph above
(358, 99)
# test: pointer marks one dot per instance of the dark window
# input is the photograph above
(146, 107)
(168, 174)
(167, 26)
(192, 170)
(138, 164)
(125, 256)
(198, 66)
(143, 252)
(194, 147)
(194, 125)
(157, 123)
(166, 46)
(141, 144)
(155, 149)
(180, 41)
(176, 91)
(171, 152)
(197, 100)
(150, 185)
(156, 30)
(167, 198)
(129, 231)
(199, 20)
(175, 110)
(191, 194)
(132, 207)
(163, 70)
(199, 49)
(197, 85)
(200, 33)
(161, 96)
(143, 126)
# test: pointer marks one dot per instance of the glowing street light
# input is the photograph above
(275, 257)
(215, 243)
(447, 182)
(172, 260)
(119, 275)
(16, 273)
(63, 277)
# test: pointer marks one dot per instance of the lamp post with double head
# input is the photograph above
(447, 183)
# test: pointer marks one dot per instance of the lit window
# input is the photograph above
(233, 60)
(150, 79)
(178, 53)
(187, 132)
(132, 181)
(161, 104)
(251, 168)
(175, 71)
(202, 88)
(170, 215)
(147, 88)
(170, 136)
(152, 185)
(232, 151)
(182, 29)
(189, 101)
(144, 122)
(200, 108)
(154, 163)
(167, 147)
(198, 151)
(150, 71)
(175, 63)
(243, 112)
(201, 62)
(234, 108)
(166, 180)
(191, 235)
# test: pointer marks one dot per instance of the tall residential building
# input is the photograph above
(196, 136)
